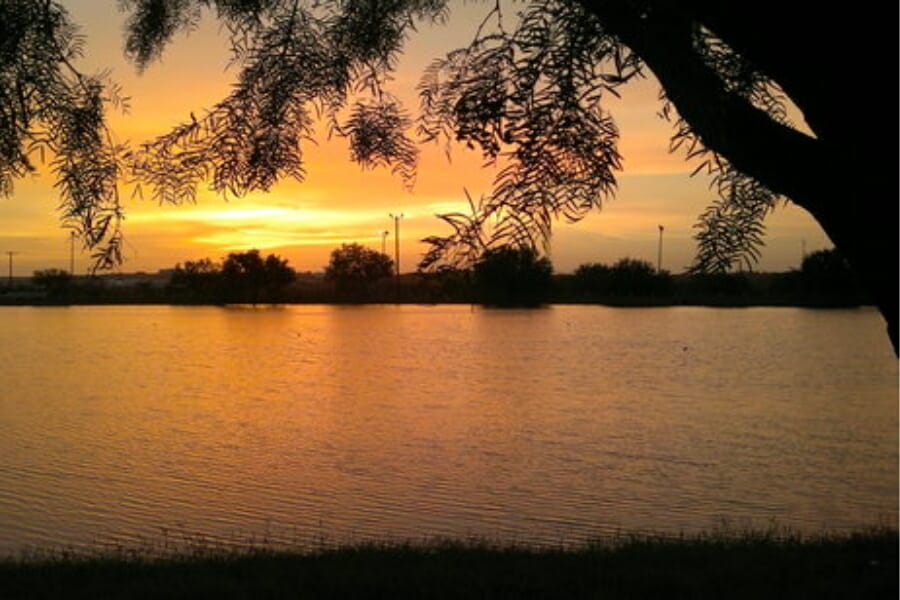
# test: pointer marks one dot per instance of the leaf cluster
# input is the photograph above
(527, 98)
(529, 101)
(352, 267)
(242, 277)
(531, 98)
(298, 61)
(509, 275)
(50, 111)
(731, 229)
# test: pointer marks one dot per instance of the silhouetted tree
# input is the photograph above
(353, 268)
(509, 276)
(593, 279)
(529, 94)
(246, 275)
(455, 284)
(633, 277)
(828, 272)
(49, 110)
(277, 274)
(825, 262)
(56, 282)
(200, 280)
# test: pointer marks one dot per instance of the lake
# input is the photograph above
(309, 425)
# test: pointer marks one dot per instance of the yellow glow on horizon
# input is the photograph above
(257, 224)
(278, 216)
(263, 239)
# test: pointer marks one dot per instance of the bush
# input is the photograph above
(56, 282)
(509, 276)
(633, 277)
(593, 279)
(354, 268)
(828, 272)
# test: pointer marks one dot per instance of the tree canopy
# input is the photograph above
(512, 276)
(246, 276)
(353, 268)
(528, 92)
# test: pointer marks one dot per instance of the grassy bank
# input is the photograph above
(862, 565)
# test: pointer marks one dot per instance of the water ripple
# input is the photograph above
(544, 427)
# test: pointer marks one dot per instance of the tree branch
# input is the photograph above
(789, 162)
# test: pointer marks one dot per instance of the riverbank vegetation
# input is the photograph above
(502, 278)
(750, 565)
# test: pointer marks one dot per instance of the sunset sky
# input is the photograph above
(340, 203)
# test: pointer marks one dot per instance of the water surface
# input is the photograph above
(316, 423)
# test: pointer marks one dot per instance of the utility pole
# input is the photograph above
(384, 233)
(396, 219)
(10, 253)
(72, 253)
(659, 251)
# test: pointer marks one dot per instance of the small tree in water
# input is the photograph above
(510, 276)
(353, 268)
(196, 280)
(56, 282)
(828, 272)
(245, 275)
(635, 277)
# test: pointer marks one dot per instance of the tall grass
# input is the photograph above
(721, 564)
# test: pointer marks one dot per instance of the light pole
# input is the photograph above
(396, 219)
(659, 251)
(384, 233)
(10, 253)
(72, 253)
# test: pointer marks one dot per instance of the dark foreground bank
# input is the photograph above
(750, 566)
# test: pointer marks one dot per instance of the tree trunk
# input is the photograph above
(864, 228)
(841, 175)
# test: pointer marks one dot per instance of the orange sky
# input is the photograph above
(341, 203)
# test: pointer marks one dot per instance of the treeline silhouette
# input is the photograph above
(503, 277)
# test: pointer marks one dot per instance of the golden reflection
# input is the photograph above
(530, 426)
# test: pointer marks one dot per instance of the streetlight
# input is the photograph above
(10, 253)
(659, 251)
(383, 233)
(72, 253)
(396, 219)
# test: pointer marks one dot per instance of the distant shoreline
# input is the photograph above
(642, 289)
(618, 303)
